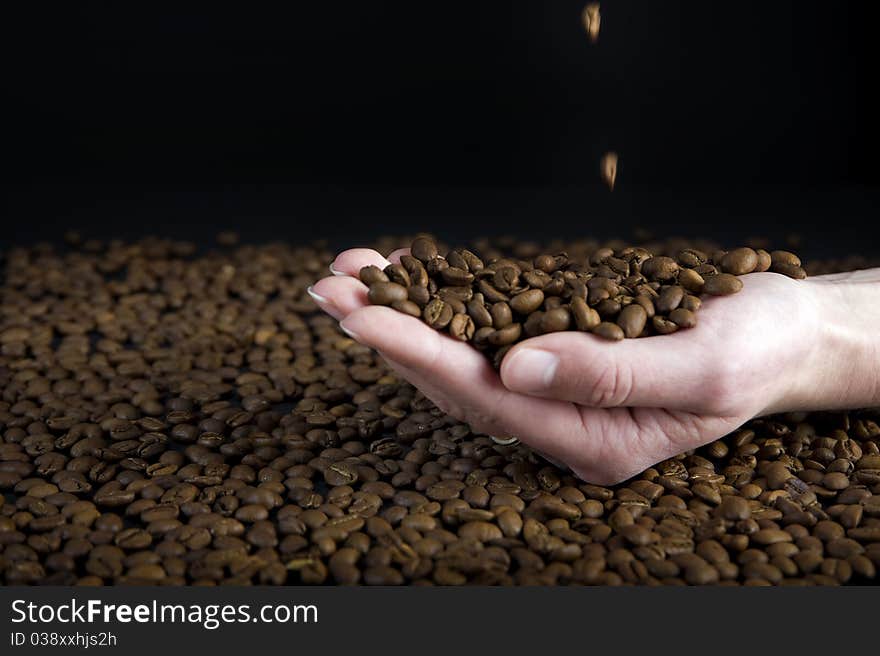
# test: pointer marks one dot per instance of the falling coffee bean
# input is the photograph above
(592, 20)
(608, 167)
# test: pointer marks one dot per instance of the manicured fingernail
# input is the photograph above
(531, 370)
(334, 270)
(349, 332)
(322, 300)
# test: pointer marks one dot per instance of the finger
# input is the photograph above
(340, 296)
(350, 262)
(862, 275)
(559, 435)
(395, 256)
(656, 372)
(463, 381)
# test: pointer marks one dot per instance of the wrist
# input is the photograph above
(842, 369)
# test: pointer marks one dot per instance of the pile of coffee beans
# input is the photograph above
(628, 292)
(174, 417)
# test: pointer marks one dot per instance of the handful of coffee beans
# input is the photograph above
(628, 292)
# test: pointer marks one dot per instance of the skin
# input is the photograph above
(609, 410)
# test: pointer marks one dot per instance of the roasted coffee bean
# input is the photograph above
(683, 318)
(670, 298)
(784, 257)
(691, 281)
(437, 314)
(660, 268)
(501, 315)
(424, 249)
(461, 327)
(608, 163)
(764, 260)
(397, 273)
(478, 311)
(528, 301)
(632, 320)
(372, 274)
(790, 270)
(722, 284)
(555, 320)
(386, 293)
(454, 276)
(340, 474)
(408, 307)
(739, 261)
(592, 20)
(608, 330)
(507, 335)
(585, 317)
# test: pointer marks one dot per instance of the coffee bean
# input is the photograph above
(372, 274)
(660, 268)
(670, 298)
(386, 293)
(722, 284)
(632, 320)
(734, 508)
(507, 335)
(663, 325)
(555, 320)
(454, 276)
(397, 273)
(481, 531)
(461, 327)
(501, 315)
(770, 536)
(437, 314)
(789, 270)
(479, 313)
(608, 163)
(528, 301)
(784, 257)
(739, 261)
(340, 474)
(691, 303)
(691, 281)
(592, 20)
(408, 307)
(418, 294)
(607, 330)
(424, 249)
(585, 317)
(683, 318)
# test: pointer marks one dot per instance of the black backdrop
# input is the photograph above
(350, 119)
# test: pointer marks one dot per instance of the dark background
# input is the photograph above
(347, 120)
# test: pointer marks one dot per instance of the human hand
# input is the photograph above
(611, 409)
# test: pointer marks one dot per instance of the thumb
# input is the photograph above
(653, 372)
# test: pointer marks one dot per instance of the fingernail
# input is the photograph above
(349, 332)
(333, 270)
(322, 300)
(531, 370)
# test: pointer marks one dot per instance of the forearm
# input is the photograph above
(844, 369)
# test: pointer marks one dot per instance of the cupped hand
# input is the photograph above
(606, 409)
